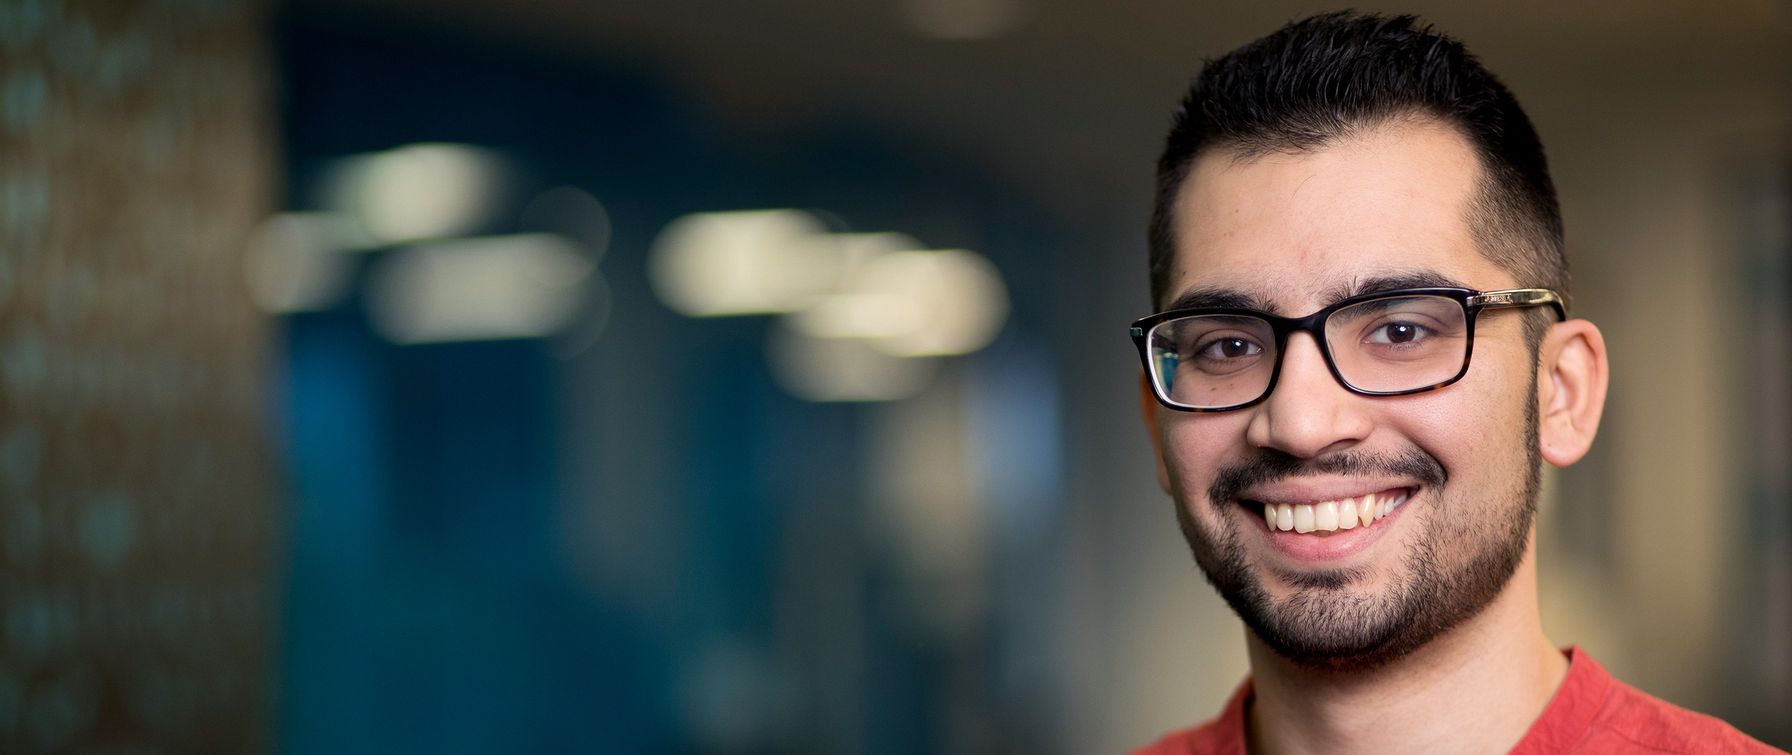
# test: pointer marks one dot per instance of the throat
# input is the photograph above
(1497, 687)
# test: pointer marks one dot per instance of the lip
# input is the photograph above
(1317, 489)
(1338, 545)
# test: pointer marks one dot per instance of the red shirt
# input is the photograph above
(1591, 713)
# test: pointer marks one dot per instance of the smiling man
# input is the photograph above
(1361, 360)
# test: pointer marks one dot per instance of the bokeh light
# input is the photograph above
(419, 191)
(916, 303)
(294, 261)
(739, 263)
(525, 286)
(841, 369)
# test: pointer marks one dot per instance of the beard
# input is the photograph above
(1462, 559)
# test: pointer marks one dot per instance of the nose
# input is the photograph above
(1309, 414)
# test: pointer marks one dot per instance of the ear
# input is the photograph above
(1571, 382)
(1148, 409)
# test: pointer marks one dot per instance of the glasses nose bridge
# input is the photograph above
(1314, 326)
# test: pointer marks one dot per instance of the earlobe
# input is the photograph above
(1572, 375)
(1148, 409)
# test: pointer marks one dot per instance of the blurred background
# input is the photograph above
(710, 377)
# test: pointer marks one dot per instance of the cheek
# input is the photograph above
(1475, 428)
(1195, 445)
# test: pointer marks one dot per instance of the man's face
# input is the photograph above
(1295, 233)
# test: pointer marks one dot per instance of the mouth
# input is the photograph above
(1331, 516)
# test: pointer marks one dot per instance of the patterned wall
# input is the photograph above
(135, 505)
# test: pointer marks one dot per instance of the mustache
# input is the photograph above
(1270, 465)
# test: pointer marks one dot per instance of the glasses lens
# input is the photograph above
(1400, 343)
(1212, 361)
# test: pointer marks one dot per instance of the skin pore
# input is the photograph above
(1426, 637)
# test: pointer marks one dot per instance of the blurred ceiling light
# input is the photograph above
(915, 303)
(842, 369)
(864, 316)
(294, 261)
(962, 19)
(525, 286)
(753, 262)
(420, 191)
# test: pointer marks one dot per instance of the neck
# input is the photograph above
(1477, 688)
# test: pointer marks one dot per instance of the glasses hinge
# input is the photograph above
(1136, 332)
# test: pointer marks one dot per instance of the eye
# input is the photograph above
(1228, 348)
(1398, 333)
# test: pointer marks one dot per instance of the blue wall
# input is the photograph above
(434, 598)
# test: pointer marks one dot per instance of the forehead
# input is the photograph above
(1295, 230)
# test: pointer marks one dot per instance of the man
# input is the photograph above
(1347, 210)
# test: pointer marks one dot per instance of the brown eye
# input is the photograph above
(1398, 333)
(1228, 348)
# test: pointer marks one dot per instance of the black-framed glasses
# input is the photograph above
(1391, 343)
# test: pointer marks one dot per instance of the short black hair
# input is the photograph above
(1325, 77)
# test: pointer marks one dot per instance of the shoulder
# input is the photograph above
(1223, 735)
(1199, 740)
(1636, 720)
(1594, 712)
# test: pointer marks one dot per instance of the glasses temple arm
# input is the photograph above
(1520, 297)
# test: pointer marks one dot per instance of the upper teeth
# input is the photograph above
(1327, 516)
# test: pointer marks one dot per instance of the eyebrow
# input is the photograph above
(1394, 281)
(1219, 298)
(1215, 297)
